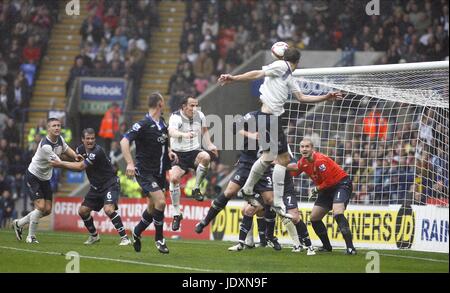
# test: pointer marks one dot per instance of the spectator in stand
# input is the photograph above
(177, 92)
(203, 68)
(286, 29)
(11, 133)
(375, 125)
(78, 70)
(7, 209)
(31, 52)
(5, 99)
(92, 28)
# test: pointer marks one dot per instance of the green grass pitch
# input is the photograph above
(195, 257)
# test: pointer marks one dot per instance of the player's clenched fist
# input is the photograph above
(130, 170)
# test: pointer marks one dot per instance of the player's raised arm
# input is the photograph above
(317, 99)
(248, 76)
(125, 146)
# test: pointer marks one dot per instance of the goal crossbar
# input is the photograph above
(373, 68)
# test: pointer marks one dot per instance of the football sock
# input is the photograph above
(245, 227)
(117, 222)
(200, 174)
(158, 220)
(249, 238)
(321, 231)
(279, 172)
(34, 221)
(261, 228)
(175, 194)
(303, 234)
(146, 220)
(89, 224)
(25, 220)
(257, 171)
(218, 204)
(269, 217)
(342, 222)
(292, 231)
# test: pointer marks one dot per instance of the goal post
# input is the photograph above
(390, 133)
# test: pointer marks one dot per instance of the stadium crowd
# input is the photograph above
(219, 35)
(390, 162)
(115, 40)
(25, 28)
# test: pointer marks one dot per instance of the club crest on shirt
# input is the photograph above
(322, 167)
(58, 150)
(91, 156)
(136, 126)
(162, 139)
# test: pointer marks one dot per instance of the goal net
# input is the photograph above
(390, 132)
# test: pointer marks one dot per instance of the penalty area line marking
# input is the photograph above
(113, 260)
(415, 257)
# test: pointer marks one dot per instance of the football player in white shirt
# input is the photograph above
(38, 177)
(187, 131)
(274, 92)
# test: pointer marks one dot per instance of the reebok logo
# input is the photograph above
(102, 90)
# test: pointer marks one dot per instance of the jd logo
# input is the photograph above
(404, 227)
(73, 7)
(218, 225)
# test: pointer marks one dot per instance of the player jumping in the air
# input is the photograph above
(187, 131)
(278, 84)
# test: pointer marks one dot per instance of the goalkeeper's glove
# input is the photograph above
(313, 192)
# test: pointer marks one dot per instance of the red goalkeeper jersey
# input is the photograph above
(323, 171)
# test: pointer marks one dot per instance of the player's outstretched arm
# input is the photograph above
(293, 167)
(73, 155)
(317, 99)
(125, 146)
(248, 76)
(74, 166)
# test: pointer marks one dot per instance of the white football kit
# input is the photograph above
(46, 151)
(278, 84)
(183, 124)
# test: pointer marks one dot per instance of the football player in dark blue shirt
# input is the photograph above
(153, 158)
(105, 186)
(246, 126)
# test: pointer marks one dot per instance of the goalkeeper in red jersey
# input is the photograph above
(333, 189)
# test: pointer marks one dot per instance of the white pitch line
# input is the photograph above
(415, 257)
(114, 260)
